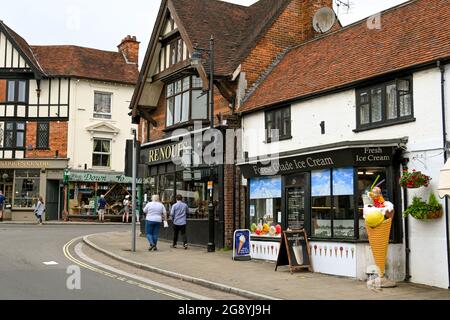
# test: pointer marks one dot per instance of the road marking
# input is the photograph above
(125, 276)
(151, 287)
(50, 263)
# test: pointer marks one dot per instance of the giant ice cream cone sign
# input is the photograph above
(379, 242)
(378, 215)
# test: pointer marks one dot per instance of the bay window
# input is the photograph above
(186, 101)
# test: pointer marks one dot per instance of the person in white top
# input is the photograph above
(155, 215)
(126, 208)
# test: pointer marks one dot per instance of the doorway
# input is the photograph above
(297, 200)
(52, 204)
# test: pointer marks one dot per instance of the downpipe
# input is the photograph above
(444, 136)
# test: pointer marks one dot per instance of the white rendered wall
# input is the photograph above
(80, 142)
(428, 259)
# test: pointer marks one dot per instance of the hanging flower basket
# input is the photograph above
(422, 210)
(414, 180)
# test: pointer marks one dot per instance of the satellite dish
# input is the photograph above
(324, 20)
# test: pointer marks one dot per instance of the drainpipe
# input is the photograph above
(407, 248)
(444, 136)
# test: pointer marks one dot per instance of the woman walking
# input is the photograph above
(40, 209)
(155, 215)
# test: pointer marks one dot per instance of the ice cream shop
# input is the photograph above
(320, 189)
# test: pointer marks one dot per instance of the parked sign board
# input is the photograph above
(241, 245)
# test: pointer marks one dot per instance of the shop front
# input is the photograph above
(84, 188)
(321, 191)
(23, 181)
(167, 178)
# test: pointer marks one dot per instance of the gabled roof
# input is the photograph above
(74, 61)
(86, 63)
(236, 28)
(412, 34)
(23, 47)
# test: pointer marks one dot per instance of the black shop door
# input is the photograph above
(52, 202)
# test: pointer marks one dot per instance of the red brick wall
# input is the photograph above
(2, 90)
(293, 27)
(57, 140)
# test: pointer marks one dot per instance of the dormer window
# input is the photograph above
(186, 101)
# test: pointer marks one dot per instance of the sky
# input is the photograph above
(102, 24)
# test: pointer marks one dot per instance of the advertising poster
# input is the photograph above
(241, 245)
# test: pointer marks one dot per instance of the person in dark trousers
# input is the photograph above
(2, 204)
(101, 208)
(179, 215)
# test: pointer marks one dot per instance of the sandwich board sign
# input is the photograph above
(241, 245)
(294, 251)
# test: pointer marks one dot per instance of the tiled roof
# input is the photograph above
(74, 61)
(412, 34)
(23, 45)
(235, 28)
(79, 62)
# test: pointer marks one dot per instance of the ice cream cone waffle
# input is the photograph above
(379, 241)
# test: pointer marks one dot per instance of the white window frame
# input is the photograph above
(102, 153)
(103, 115)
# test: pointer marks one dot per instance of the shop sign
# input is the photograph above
(98, 177)
(241, 245)
(166, 153)
(32, 164)
(376, 156)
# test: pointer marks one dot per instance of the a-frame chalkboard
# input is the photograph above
(294, 251)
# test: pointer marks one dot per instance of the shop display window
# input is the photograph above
(82, 198)
(167, 190)
(343, 203)
(321, 203)
(332, 199)
(265, 206)
(26, 188)
(194, 195)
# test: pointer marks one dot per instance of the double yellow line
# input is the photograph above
(69, 256)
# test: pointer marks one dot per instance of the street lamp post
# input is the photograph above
(133, 196)
(196, 60)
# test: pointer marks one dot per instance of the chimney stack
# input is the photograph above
(308, 10)
(129, 47)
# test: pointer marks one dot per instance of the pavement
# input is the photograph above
(250, 279)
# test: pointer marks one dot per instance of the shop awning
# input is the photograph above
(444, 181)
